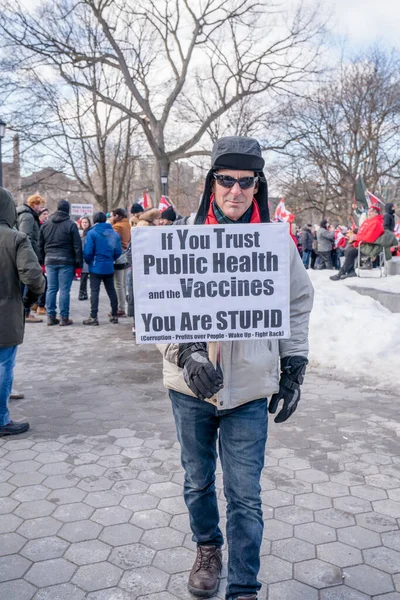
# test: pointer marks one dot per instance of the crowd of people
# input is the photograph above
(95, 253)
(340, 247)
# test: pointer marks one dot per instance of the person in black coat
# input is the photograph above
(60, 249)
(306, 241)
(388, 219)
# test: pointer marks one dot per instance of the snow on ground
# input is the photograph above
(353, 334)
(371, 280)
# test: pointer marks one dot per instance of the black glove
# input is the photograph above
(198, 372)
(292, 376)
(29, 298)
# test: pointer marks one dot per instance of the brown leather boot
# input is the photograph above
(205, 575)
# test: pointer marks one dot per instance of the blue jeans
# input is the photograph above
(306, 258)
(59, 277)
(7, 364)
(241, 444)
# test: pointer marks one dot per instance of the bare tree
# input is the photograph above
(184, 64)
(78, 134)
(347, 126)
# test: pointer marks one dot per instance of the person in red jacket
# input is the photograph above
(368, 232)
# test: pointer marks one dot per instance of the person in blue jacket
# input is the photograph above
(102, 248)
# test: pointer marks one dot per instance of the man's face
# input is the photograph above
(37, 208)
(372, 213)
(114, 218)
(234, 201)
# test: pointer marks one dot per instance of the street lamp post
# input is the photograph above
(2, 133)
(164, 183)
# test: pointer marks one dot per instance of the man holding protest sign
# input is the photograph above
(244, 375)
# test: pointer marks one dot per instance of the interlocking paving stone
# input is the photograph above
(315, 533)
(30, 493)
(317, 574)
(66, 496)
(34, 509)
(334, 517)
(109, 594)
(132, 555)
(44, 548)
(274, 569)
(382, 558)
(293, 550)
(339, 554)
(10, 543)
(150, 519)
(342, 592)
(40, 527)
(50, 572)
(162, 538)
(9, 523)
(291, 590)
(97, 576)
(174, 560)
(391, 540)
(368, 492)
(119, 535)
(79, 531)
(376, 522)
(359, 537)
(144, 580)
(388, 507)
(368, 580)
(64, 591)
(76, 511)
(111, 515)
(85, 553)
(13, 567)
(17, 590)
(7, 505)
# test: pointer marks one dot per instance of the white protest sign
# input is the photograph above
(211, 282)
(82, 210)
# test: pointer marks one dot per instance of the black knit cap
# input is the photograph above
(169, 214)
(241, 154)
(136, 208)
(64, 206)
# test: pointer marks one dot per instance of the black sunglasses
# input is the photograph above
(227, 181)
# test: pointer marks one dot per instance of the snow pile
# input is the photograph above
(354, 334)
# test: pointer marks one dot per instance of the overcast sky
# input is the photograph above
(367, 21)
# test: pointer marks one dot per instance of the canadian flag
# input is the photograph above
(164, 203)
(373, 201)
(282, 214)
(146, 201)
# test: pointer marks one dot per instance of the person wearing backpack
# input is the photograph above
(120, 224)
(102, 249)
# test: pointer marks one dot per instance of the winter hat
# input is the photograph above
(239, 153)
(63, 206)
(168, 214)
(324, 223)
(236, 152)
(99, 217)
(136, 208)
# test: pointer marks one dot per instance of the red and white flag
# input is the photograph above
(282, 214)
(397, 230)
(146, 201)
(373, 201)
(164, 203)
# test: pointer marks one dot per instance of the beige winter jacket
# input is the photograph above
(251, 368)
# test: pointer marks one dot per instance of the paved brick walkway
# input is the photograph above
(90, 498)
